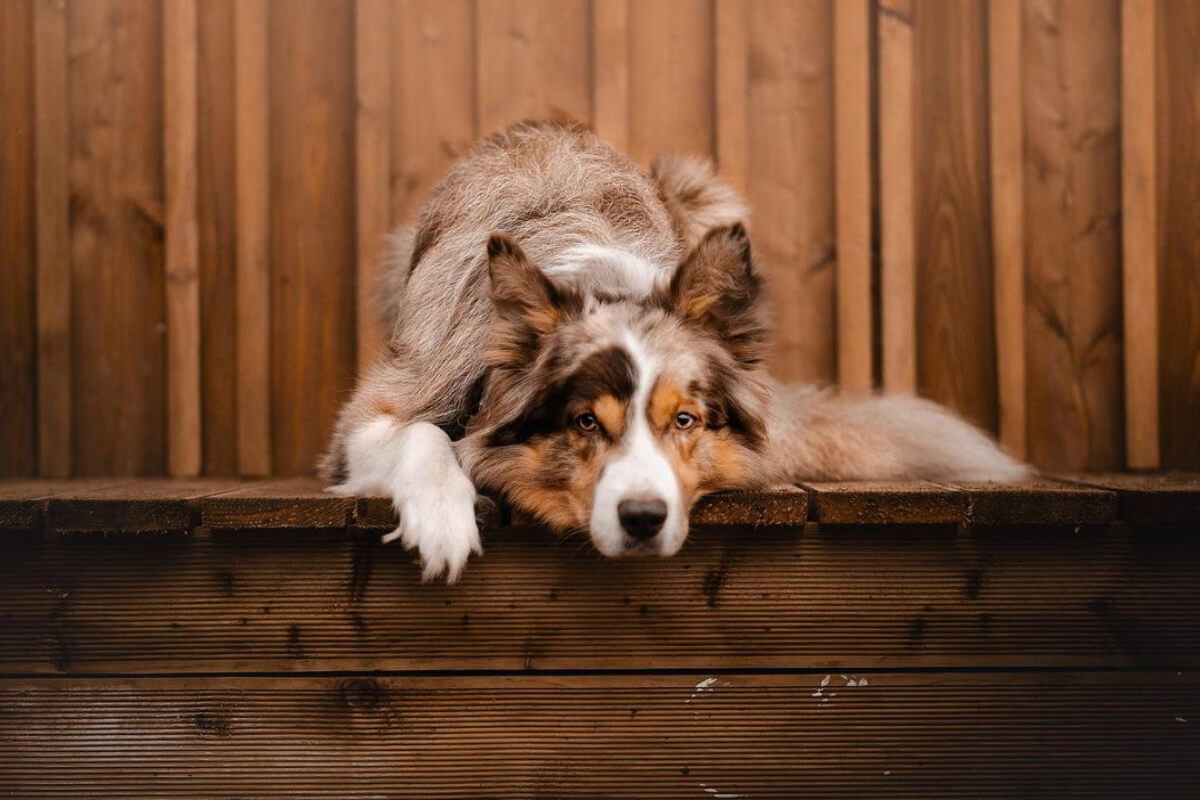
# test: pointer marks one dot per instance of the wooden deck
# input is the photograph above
(238, 639)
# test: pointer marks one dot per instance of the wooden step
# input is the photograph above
(255, 639)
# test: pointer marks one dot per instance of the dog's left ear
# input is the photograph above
(717, 286)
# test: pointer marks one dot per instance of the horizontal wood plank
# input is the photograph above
(337, 599)
(1126, 734)
(886, 503)
(1173, 498)
(1038, 502)
(22, 502)
(290, 503)
(145, 505)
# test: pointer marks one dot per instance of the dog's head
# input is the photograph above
(614, 414)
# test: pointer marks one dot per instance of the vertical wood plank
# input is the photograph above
(1072, 190)
(116, 175)
(1139, 234)
(852, 156)
(732, 86)
(898, 280)
(671, 75)
(533, 61)
(433, 105)
(52, 221)
(789, 148)
(18, 359)
(610, 70)
(311, 64)
(955, 333)
(216, 209)
(182, 265)
(1179, 225)
(1008, 218)
(372, 131)
(253, 190)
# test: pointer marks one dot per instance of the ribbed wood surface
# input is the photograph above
(1127, 734)
(336, 599)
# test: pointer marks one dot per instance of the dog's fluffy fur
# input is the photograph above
(580, 335)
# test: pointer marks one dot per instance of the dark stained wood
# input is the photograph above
(955, 334)
(1073, 246)
(1179, 281)
(1153, 499)
(116, 171)
(293, 503)
(311, 68)
(835, 734)
(884, 503)
(1038, 502)
(780, 506)
(22, 502)
(167, 504)
(216, 209)
(18, 328)
(336, 599)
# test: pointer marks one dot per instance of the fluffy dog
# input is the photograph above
(587, 339)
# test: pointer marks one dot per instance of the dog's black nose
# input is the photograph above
(642, 519)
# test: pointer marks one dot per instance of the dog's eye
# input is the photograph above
(587, 422)
(684, 420)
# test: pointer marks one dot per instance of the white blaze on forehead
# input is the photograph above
(638, 468)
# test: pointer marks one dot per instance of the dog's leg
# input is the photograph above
(414, 464)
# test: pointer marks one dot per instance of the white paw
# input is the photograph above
(439, 523)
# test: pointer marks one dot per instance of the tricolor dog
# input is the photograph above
(587, 339)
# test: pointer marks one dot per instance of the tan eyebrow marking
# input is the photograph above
(611, 413)
(665, 400)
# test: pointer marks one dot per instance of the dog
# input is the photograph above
(587, 339)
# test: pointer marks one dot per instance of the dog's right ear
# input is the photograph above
(521, 292)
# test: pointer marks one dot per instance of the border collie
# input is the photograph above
(587, 340)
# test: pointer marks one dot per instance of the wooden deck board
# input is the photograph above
(1173, 498)
(822, 735)
(336, 599)
(886, 503)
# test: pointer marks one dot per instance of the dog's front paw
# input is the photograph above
(439, 523)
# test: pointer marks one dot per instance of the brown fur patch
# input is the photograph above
(611, 413)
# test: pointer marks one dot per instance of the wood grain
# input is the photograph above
(1038, 502)
(434, 106)
(732, 83)
(116, 240)
(533, 61)
(372, 165)
(56, 447)
(18, 320)
(1172, 499)
(1072, 188)
(216, 209)
(299, 598)
(22, 503)
(291, 503)
(955, 332)
(182, 261)
(1140, 231)
(789, 161)
(1179, 224)
(897, 271)
(312, 235)
(610, 70)
(852, 159)
(886, 503)
(147, 505)
(934, 735)
(253, 214)
(1008, 219)
(671, 77)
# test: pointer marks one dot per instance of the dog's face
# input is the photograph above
(614, 415)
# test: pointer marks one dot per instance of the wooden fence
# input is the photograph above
(994, 204)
